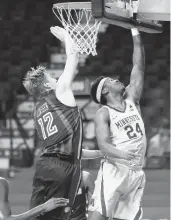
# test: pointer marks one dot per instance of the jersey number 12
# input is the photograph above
(46, 124)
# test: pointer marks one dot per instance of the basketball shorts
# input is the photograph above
(79, 213)
(118, 191)
(55, 178)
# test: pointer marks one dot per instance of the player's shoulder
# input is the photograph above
(130, 100)
(136, 105)
(102, 113)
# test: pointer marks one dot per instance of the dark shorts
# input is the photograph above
(55, 178)
(79, 214)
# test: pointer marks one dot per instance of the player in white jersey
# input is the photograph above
(121, 136)
(5, 209)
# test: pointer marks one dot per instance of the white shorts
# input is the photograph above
(118, 191)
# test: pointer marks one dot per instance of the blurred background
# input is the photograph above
(25, 41)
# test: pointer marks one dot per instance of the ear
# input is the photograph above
(105, 91)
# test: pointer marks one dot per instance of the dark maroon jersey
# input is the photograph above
(59, 126)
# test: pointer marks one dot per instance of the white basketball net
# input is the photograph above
(81, 26)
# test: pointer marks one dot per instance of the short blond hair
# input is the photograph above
(34, 81)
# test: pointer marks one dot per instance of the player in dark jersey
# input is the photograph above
(59, 126)
(84, 195)
(5, 209)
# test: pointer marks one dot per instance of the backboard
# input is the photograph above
(126, 13)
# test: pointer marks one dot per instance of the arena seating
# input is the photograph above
(25, 41)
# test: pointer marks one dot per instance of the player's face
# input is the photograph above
(114, 85)
(49, 82)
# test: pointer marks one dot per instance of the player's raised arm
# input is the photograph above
(134, 90)
(63, 87)
(65, 80)
(102, 122)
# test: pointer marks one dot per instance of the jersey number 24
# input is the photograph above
(131, 132)
(46, 124)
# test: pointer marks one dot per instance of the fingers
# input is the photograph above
(61, 205)
(58, 32)
(61, 201)
(132, 155)
(55, 30)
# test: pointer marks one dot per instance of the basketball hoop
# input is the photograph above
(77, 19)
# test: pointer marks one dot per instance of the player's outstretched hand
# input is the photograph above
(63, 36)
(54, 203)
(59, 33)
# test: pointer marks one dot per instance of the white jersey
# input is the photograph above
(127, 130)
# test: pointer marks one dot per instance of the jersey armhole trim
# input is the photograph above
(46, 99)
(65, 104)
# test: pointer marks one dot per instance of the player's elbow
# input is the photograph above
(139, 68)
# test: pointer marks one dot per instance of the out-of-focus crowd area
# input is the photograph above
(25, 41)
